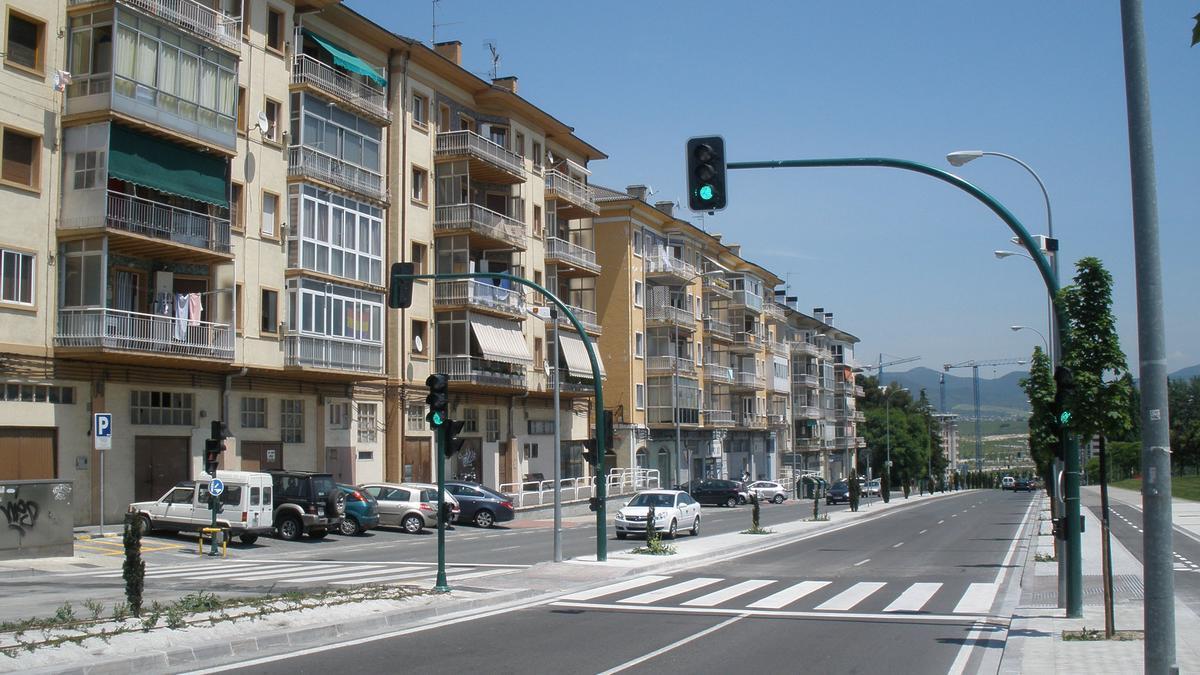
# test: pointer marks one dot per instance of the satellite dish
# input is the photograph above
(418, 344)
(264, 124)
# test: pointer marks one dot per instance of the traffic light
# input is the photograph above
(593, 503)
(453, 444)
(438, 399)
(589, 452)
(1064, 387)
(609, 435)
(400, 285)
(706, 173)
(214, 446)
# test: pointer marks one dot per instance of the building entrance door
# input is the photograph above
(260, 456)
(159, 463)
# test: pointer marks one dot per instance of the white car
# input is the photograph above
(873, 487)
(673, 510)
(768, 490)
(1007, 483)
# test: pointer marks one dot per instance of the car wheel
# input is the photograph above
(484, 518)
(144, 525)
(413, 524)
(289, 528)
(349, 527)
(248, 539)
(317, 534)
(828, 502)
(778, 499)
(731, 502)
(696, 526)
(741, 500)
(671, 529)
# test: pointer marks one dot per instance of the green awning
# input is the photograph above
(167, 167)
(347, 60)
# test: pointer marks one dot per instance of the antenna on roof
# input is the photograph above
(495, 71)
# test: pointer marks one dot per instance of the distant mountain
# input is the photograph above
(998, 397)
(1185, 373)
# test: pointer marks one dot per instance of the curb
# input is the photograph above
(84, 536)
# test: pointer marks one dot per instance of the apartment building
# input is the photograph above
(948, 434)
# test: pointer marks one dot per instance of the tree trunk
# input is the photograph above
(1105, 549)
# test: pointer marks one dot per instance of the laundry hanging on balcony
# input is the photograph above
(167, 167)
(343, 58)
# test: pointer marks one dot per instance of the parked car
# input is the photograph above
(768, 490)
(480, 504)
(449, 499)
(1007, 483)
(362, 511)
(306, 502)
(839, 492)
(873, 487)
(245, 507)
(673, 509)
(409, 506)
(717, 492)
(1022, 485)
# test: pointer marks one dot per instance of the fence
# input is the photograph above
(620, 481)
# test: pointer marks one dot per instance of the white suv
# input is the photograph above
(768, 490)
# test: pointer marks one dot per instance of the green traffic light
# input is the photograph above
(706, 192)
(1065, 417)
(437, 419)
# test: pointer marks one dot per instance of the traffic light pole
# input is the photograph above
(443, 442)
(1074, 553)
(399, 275)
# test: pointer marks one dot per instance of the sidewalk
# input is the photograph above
(1035, 643)
(164, 650)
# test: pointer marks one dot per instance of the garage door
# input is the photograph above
(27, 454)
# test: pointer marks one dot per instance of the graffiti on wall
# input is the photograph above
(22, 514)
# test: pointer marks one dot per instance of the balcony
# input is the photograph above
(489, 161)
(808, 444)
(352, 91)
(668, 364)
(718, 374)
(718, 418)
(845, 442)
(777, 347)
(774, 310)
(805, 380)
(482, 372)
(744, 342)
(802, 348)
(746, 300)
(118, 331)
(666, 267)
(844, 388)
(209, 24)
(806, 412)
(860, 442)
(718, 287)
(858, 416)
(479, 295)
(743, 380)
(486, 228)
(777, 420)
(669, 315)
(717, 329)
(334, 354)
(306, 162)
(575, 198)
(145, 228)
(571, 260)
(569, 384)
(752, 421)
(587, 317)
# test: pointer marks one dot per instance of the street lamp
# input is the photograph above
(1004, 254)
(887, 466)
(675, 378)
(1044, 342)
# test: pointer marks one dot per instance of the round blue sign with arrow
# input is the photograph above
(216, 487)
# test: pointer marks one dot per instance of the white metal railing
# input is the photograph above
(569, 382)
(464, 142)
(752, 421)
(306, 161)
(162, 221)
(803, 443)
(843, 387)
(859, 391)
(747, 299)
(717, 373)
(145, 333)
(478, 293)
(744, 339)
(475, 370)
(777, 420)
(665, 264)
(668, 364)
(620, 481)
(718, 417)
(671, 314)
(774, 310)
(777, 347)
(352, 90)
(780, 385)
(482, 220)
(844, 442)
(717, 286)
(718, 328)
(804, 348)
(333, 353)
(806, 412)
(208, 23)
(561, 249)
(858, 416)
(587, 317)
(561, 186)
(750, 380)
(805, 380)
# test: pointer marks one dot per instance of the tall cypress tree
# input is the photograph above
(1039, 387)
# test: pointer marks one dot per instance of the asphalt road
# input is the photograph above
(913, 589)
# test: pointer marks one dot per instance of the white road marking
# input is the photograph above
(850, 597)
(862, 562)
(941, 521)
(788, 595)
(726, 594)
(673, 645)
(345, 573)
(913, 599)
(897, 545)
(978, 598)
(922, 531)
(671, 591)
(964, 653)
(824, 616)
(616, 588)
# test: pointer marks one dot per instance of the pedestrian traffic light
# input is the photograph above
(214, 446)
(593, 503)
(400, 285)
(706, 173)
(438, 399)
(452, 443)
(609, 435)
(589, 451)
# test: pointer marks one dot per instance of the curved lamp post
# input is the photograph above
(1039, 333)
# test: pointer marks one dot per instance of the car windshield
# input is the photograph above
(657, 501)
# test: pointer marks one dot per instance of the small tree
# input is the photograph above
(134, 568)
(855, 490)
(1039, 388)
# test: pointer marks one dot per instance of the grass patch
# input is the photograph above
(1092, 634)
(1042, 557)
(759, 530)
(1183, 487)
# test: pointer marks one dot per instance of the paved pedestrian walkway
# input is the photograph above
(1035, 641)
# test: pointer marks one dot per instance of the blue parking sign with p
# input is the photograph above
(102, 430)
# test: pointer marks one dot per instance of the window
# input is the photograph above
(326, 128)
(332, 310)
(416, 417)
(541, 427)
(269, 312)
(237, 207)
(16, 277)
(531, 450)
(335, 235)
(471, 419)
(420, 110)
(254, 412)
(538, 359)
(160, 407)
(24, 41)
(419, 253)
(270, 215)
(420, 337)
(537, 156)
(271, 108)
(242, 117)
(84, 262)
(539, 229)
(88, 165)
(368, 430)
(519, 144)
(492, 425)
(420, 180)
(537, 277)
(339, 415)
(36, 393)
(637, 243)
(637, 294)
(275, 31)
(640, 396)
(291, 420)
(21, 158)
(639, 345)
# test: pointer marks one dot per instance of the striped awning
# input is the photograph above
(500, 340)
(575, 353)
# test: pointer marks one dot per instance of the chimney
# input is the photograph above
(735, 249)
(451, 50)
(792, 301)
(716, 236)
(819, 313)
(829, 318)
(509, 83)
(666, 207)
(638, 192)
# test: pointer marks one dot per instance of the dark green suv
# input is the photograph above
(306, 503)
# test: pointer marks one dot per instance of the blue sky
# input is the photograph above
(904, 261)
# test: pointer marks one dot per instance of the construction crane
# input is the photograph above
(895, 362)
(974, 366)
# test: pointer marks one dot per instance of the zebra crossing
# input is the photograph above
(956, 601)
(309, 572)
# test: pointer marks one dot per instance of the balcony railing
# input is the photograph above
(858, 416)
(561, 186)
(210, 24)
(717, 286)
(777, 420)
(120, 330)
(561, 249)
(666, 364)
(480, 220)
(844, 443)
(805, 380)
(313, 351)
(753, 380)
(672, 315)
(843, 387)
(718, 328)
(474, 370)
(777, 347)
(569, 383)
(747, 340)
(804, 443)
(752, 421)
(859, 391)
(715, 373)
(162, 221)
(470, 144)
(667, 265)
(312, 163)
(806, 412)
(587, 317)
(480, 294)
(718, 418)
(748, 300)
(308, 71)
(802, 348)
(773, 310)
